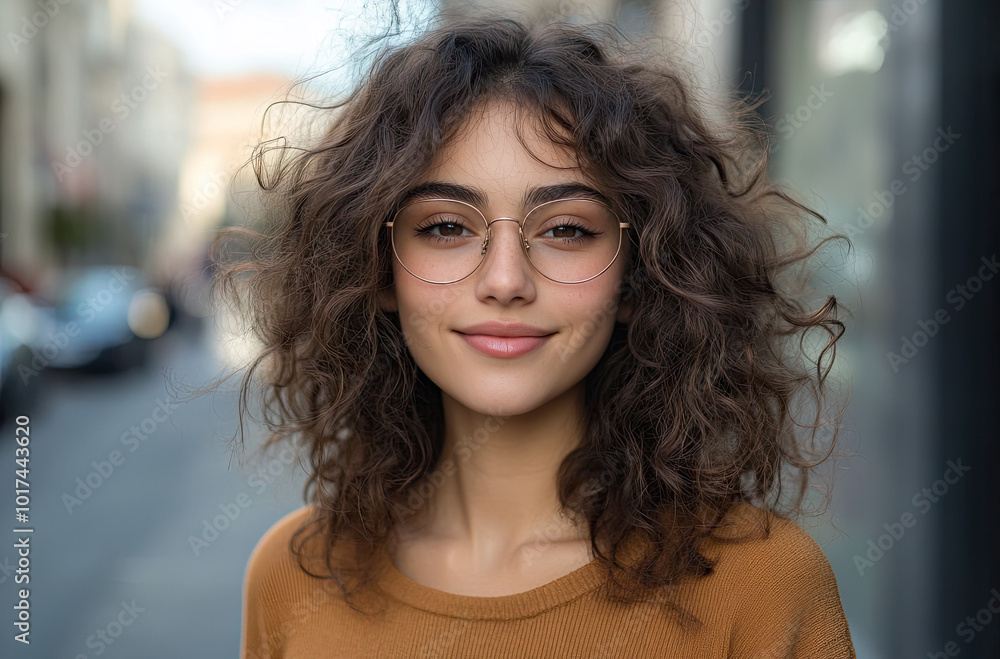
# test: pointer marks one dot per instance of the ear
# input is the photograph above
(626, 304)
(625, 310)
(387, 300)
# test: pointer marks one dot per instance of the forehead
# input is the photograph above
(486, 153)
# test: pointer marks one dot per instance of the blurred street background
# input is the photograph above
(123, 128)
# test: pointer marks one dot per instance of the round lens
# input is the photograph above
(572, 240)
(440, 241)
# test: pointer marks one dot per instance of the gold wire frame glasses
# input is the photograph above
(424, 243)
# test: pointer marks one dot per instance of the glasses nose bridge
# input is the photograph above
(489, 231)
(516, 221)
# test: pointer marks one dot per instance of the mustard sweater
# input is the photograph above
(769, 598)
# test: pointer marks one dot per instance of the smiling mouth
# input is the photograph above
(504, 347)
(506, 336)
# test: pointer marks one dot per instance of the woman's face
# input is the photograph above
(436, 319)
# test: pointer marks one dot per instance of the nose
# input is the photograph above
(505, 272)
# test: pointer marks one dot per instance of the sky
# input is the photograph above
(292, 37)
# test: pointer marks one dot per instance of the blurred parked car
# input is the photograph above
(23, 317)
(105, 318)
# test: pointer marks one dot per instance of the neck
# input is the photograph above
(494, 488)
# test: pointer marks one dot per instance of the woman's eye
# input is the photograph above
(565, 231)
(568, 231)
(449, 229)
(443, 227)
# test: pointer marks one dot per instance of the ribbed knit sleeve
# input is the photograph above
(789, 604)
(255, 630)
(272, 585)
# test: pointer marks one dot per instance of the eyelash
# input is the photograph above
(425, 230)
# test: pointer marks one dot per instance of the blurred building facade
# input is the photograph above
(94, 121)
(216, 184)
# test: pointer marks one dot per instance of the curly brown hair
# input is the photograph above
(692, 407)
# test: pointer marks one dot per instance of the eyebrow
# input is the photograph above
(475, 196)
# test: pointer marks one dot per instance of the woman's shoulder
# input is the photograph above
(280, 532)
(280, 561)
(764, 534)
(272, 561)
(765, 551)
(281, 557)
(286, 582)
(775, 576)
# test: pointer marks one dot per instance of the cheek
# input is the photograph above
(422, 309)
(593, 324)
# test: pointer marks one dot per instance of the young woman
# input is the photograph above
(531, 319)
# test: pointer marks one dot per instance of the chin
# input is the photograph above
(500, 405)
(513, 398)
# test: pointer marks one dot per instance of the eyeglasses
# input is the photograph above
(443, 241)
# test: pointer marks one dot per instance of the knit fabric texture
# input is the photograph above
(772, 597)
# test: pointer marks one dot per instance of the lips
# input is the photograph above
(504, 347)
(498, 328)
(504, 339)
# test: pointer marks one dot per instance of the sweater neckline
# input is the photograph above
(548, 596)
